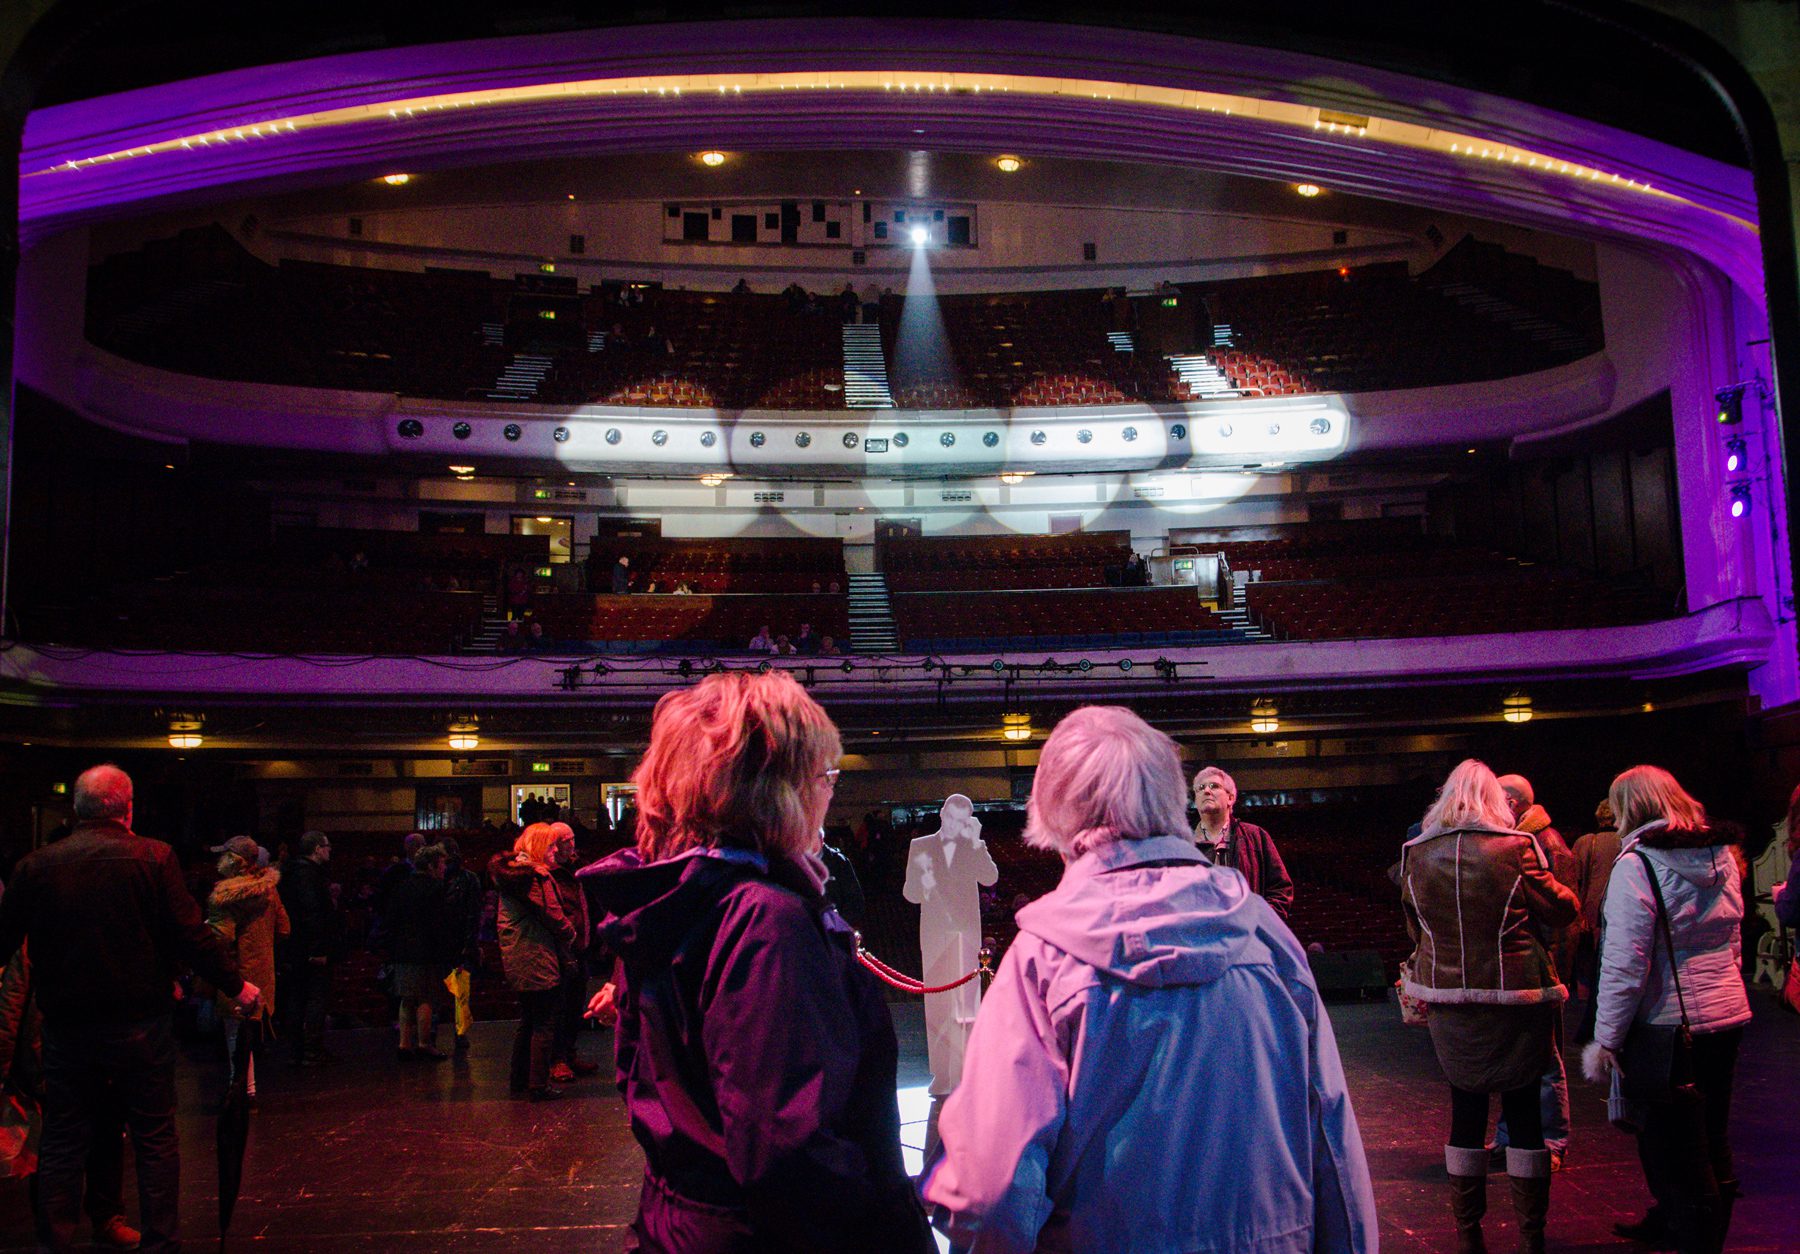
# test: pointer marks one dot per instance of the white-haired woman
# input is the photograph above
(1152, 1070)
(1476, 894)
(756, 1056)
(1686, 1154)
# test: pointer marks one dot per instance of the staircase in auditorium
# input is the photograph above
(865, 368)
(521, 378)
(1204, 379)
(872, 626)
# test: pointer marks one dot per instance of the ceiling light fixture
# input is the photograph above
(544, 518)
(715, 479)
(1264, 717)
(1516, 708)
(396, 180)
(712, 157)
(462, 470)
(184, 731)
(463, 734)
(1012, 478)
(1016, 726)
(1308, 190)
(1008, 164)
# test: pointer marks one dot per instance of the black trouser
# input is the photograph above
(1686, 1153)
(537, 1030)
(93, 1073)
(1524, 1118)
(571, 1005)
(306, 998)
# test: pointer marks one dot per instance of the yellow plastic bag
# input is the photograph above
(458, 984)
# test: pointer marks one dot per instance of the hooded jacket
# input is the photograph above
(1476, 901)
(247, 913)
(537, 940)
(1153, 1071)
(1700, 886)
(757, 1060)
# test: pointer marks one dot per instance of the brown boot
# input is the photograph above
(1468, 1196)
(1529, 1173)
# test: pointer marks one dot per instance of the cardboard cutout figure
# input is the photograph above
(943, 875)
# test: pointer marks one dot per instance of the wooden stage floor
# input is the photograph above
(371, 1154)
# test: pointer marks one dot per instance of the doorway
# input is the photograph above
(559, 527)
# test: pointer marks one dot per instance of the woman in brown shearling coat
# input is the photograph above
(1477, 893)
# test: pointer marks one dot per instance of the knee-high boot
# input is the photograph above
(1529, 1173)
(1468, 1170)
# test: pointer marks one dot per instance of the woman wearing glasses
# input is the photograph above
(756, 1057)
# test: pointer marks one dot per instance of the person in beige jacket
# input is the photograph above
(245, 909)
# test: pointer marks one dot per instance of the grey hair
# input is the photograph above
(1230, 783)
(1105, 775)
(102, 792)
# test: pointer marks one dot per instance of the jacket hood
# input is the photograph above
(1699, 857)
(240, 891)
(650, 908)
(512, 875)
(1152, 912)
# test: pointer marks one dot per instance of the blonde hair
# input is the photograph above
(1105, 775)
(729, 763)
(1471, 797)
(535, 842)
(1646, 793)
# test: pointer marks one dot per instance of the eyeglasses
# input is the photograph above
(831, 777)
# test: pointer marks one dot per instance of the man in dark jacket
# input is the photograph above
(1229, 841)
(108, 919)
(310, 947)
(462, 917)
(571, 992)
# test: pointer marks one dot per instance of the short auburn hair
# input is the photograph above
(535, 843)
(728, 764)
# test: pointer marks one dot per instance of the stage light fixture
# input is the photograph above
(1740, 499)
(1515, 707)
(1734, 454)
(920, 236)
(1731, 404)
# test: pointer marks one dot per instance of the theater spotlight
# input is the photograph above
(920, 237)
(1734, 454)
(1731, 404)
(1740, 499)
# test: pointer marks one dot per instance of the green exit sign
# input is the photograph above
(540, 768)
(1169, 302)
(540, 494)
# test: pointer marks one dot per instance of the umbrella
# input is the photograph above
(234, 1124)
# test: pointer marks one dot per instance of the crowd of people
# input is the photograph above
(757, 1057)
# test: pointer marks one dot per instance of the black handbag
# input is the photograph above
(1656, 1061)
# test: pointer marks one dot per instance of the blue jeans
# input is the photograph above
(93, 1074)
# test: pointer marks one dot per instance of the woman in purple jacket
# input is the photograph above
(756, 1057)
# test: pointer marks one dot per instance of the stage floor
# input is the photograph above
(372, 1154)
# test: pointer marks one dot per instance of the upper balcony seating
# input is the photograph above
(971, 563)
(737, 564)
(1076, 618)
(684, 624)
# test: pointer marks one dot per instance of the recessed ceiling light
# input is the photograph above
(544, 518)
(396, 180)
(462, 470)
(712, 156)
(1308, 190)
(1008, 164)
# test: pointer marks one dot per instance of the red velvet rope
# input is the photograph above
(905, 983)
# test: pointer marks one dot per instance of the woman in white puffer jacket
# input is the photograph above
(1666, 831)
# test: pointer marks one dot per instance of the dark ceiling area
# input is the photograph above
(1606, 62)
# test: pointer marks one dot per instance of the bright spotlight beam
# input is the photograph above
(920, 237)
(922, 345)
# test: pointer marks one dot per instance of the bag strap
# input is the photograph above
(1662, 919)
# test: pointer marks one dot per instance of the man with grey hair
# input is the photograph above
(109, 921)
(1229, 841)
(1080, 1073)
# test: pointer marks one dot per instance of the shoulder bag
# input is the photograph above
(1657, 1060)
